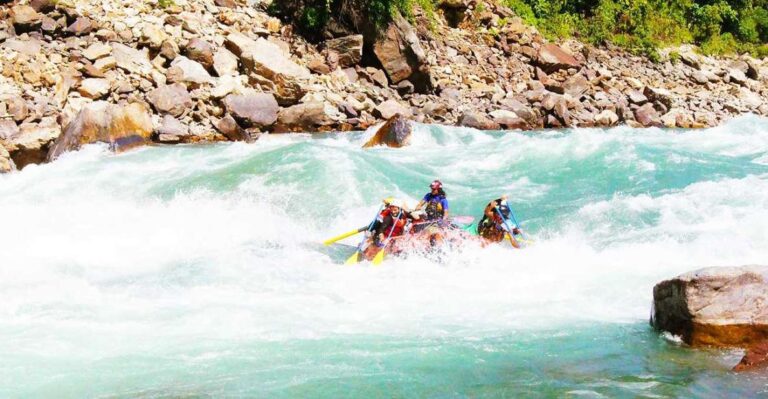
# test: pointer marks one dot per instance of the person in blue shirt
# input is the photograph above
(435, 201)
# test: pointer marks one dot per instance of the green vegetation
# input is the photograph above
(165, 3)
(642, 26)
(313, 16)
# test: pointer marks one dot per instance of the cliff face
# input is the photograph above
(207, 70)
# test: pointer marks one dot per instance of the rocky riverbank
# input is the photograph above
(211, 70)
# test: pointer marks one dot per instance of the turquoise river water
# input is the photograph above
(197, 271)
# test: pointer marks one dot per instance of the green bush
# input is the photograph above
(642, 26)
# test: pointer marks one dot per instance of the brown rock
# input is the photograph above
(253, 110)
(169, 50)
(25, 18)
(400, 52)
(477, 120)
(97, 50)
(31, 145)
(606, 118)
(81, 26)
(94, 88)
(171, 130)
(123, 127)
(396, 132)
(264, 57)
(755, 358)
(716, 306)
(6, 163)
(390, 108)
(18, 109)
(171, 99)
(349, 50)
(226, 3)
(229, 128)
(508, 119)
(43, 5)
(305, 117)
(552, 58)
(647, 116)
(662, 96)
(576, 85)
(201, 51)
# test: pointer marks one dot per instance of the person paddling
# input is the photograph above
(435, 201)
(492, 227)
(392, 221)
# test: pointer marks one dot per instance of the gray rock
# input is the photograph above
(171, 130)
(477, 120)
(171, 99)
(188, 72)
(225, 63)
(305, 117)
(396, 132)
(606, 118)
(229, 128)
(131, 60)
(390, 108)
(8, 129)
(253, 110)
(94, 88)
(6, 163)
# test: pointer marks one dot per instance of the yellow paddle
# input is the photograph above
(380, 255)
(343, 236)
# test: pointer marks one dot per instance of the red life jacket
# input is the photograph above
(398, 225)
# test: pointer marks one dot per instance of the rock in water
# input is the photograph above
(716, 306)
(123, 127)
(396, 132)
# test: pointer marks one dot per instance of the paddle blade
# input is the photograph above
(513, 241)
(340, 237)
(352, 260)
(378, 258)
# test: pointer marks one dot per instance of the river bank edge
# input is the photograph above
(207, 71)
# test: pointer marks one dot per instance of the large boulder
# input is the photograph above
(189, 72)
(401, 54)
(552, 58)
(390, 108)
(171, 99)
(131, 60)
(253, 110)
(348, 50)
(477, 120)
(306, 117)
(716, 306)
(264, 57)
(647, 116)
(25, 18)
(201, 51)
(395, 132)
(31, 144)
(123, 127)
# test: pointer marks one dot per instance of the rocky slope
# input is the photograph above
(75, 72)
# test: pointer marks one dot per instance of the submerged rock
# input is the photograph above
(123, 127)
(716, 306)
(396, 132)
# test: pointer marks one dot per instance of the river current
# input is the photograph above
(198, 271)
